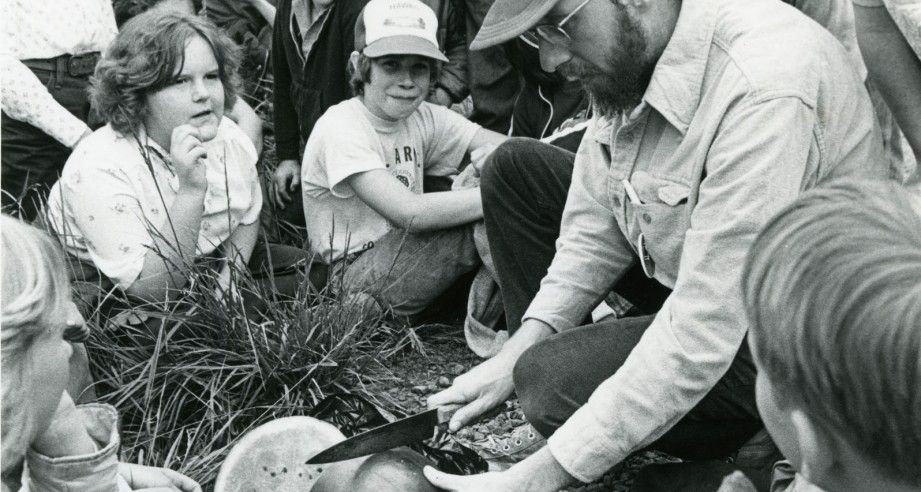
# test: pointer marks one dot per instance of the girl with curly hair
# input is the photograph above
(170, 179)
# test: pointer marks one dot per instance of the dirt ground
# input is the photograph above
(408, 379)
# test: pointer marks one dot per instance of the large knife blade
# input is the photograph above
(402, 432)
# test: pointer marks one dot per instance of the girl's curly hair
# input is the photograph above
(146, 56)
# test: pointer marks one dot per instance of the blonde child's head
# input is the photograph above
(36, 301)
(832, 287)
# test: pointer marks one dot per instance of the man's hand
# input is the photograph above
(539, 472)
(287, 179)
(491, 482)
(441, 97)
(479, 390)
(152, 479)
(489, 383)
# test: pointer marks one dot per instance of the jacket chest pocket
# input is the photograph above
(662, 218)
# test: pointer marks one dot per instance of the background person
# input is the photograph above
(366, 159)
(889, 35)
(49, 50)
(841, 263)
(67, 447)
(313, 41)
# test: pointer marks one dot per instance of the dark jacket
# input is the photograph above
(546, 101)
(452, 39)
(305, 90)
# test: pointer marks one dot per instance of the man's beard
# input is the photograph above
(624, 89)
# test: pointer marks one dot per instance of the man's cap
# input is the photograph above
(508, 19)
(397, 27)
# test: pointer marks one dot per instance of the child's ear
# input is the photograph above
(818, 448)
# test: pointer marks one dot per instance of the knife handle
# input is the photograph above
(445, 412)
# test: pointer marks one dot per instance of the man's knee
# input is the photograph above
(506, 166)
(539, 386)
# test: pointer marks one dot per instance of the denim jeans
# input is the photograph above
(556, 376)
(406, 272)
(524, 188)
(31, 159)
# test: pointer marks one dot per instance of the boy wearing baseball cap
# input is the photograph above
(364, 164)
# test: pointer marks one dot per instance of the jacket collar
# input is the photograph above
(676, 84)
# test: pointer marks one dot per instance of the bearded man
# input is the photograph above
(711, 115)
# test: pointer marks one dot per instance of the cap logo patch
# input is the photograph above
(416, 23)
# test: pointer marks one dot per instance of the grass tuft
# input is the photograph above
(199, 373)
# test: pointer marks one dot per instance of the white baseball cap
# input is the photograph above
(397, 27)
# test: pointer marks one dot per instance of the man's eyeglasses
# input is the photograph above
(552, 33)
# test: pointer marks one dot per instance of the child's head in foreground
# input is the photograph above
(396, 58)
(833, 292)
(36, 297)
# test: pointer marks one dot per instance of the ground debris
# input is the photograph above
(411, 377)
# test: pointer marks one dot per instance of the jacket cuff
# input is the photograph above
(91, 472)
(581, 449)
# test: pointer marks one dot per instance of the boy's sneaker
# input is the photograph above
(521, 443)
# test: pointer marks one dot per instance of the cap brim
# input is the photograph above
(403, 45)
(508, 19)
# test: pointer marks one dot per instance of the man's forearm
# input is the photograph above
(894, 67)
(591, 252)
(529, 333)
(26, 99)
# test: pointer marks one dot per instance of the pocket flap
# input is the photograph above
(673, 194)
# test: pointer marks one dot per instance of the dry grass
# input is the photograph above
(199, 374)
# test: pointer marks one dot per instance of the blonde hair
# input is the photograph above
(35, 296)
(832, 287)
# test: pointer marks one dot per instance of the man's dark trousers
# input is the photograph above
(32, 159)
(524, 187)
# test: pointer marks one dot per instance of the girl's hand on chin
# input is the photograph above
(187, 153)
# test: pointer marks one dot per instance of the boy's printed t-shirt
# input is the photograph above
(348, 140)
